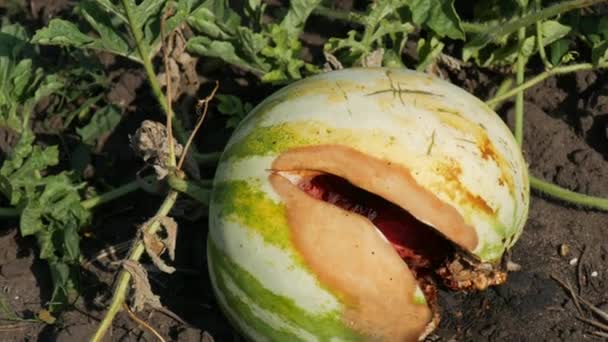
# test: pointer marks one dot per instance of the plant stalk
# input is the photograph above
(539, 39)
(124, 278)
(519, 97)
(194, 191)
(542, 76)
(92, 202)
(112, 194)
(144, 51)
(567, 195)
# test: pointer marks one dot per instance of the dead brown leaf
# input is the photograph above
(151, 143)
(156, 246)
(143, 294)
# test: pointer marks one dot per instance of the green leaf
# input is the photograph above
(271, 51)
(553, 30)
(146, 10)
(234, 108)
(215, 19)
(428, 51)
(116, 11)
(61, 32)
(64, 276)
(499, 32)
(385, 24)
(20, 172)
(182, 10)
(103, 121)
(299, 11)
(18, 76)
(439, 15)
(220, 49)
(558, 50)
(110, 37)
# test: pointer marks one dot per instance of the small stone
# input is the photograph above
(573, 261)
(564, 249)
(594, 274)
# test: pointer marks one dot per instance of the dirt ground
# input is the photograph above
(566, 142)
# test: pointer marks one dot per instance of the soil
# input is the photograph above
(566, 142)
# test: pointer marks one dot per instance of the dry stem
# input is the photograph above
(205, 104)
(142, 323)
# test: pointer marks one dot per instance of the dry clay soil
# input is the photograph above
(566, 123)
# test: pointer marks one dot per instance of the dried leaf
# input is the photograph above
(182, 67)
(141, 285)
(155, 246)
(332, 63)
(171, 229)
(151, 143)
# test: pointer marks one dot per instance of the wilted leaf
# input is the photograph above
(155, 245)
(141, 285)
(45, 316)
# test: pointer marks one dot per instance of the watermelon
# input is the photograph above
(342, 200)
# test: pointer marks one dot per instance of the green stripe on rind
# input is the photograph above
(267, 140)
(243, 202)
(325, 326)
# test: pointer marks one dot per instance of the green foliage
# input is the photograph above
(106, 26)
(103, 121)
(50, 210)
(495, 42)
(22, 84)
(49, 204)
(387, 24)
(271, 51)
(234, 108)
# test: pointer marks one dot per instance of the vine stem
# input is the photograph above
(124, 277)
(544, 75)
(93, 202)
(144, 50)
(567, 195)
(113, 194)
(539, 39)
(519, 97)
(191, 189)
